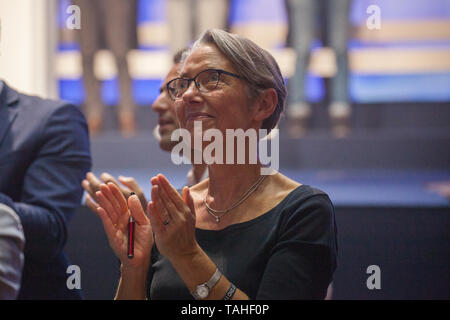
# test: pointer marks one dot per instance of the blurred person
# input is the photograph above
(303, 18)
(167, 123)
(112, 22)
(189, 18)
(44, 155)
(237, 234)
(12, 242)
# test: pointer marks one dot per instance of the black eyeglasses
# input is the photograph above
(205, 81)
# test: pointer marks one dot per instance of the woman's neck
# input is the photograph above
(227, 183)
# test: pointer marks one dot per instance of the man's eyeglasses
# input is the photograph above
(205, 81)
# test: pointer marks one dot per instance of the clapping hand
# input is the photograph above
(173, 219)
(114, 211)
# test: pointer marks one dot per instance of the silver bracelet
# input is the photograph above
(230, 293)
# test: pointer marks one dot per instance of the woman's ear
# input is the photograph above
(265, 104)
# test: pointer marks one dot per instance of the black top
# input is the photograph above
(287, 253)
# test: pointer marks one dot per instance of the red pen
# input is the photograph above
(131, 236)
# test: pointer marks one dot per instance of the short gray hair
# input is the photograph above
(256, 65)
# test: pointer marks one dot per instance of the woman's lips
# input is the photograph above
(198, 116)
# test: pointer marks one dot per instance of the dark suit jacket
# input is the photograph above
(44, 155)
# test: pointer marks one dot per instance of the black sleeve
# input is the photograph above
(302, 263)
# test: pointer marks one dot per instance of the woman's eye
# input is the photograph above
(183, 85)
(214, 77)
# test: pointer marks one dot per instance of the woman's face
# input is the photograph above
(226, 107)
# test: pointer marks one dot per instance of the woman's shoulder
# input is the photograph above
(300, 196)
(307, 215)
(291, 189)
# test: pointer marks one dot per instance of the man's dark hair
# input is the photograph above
(178, 55)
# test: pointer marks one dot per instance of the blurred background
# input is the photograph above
(367, 121)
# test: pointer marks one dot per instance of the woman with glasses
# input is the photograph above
(238, 234)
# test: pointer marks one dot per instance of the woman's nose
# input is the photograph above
(191, 92)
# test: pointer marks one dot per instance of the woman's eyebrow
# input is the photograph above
(204, 67)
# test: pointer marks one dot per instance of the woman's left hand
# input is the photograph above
(173, 219)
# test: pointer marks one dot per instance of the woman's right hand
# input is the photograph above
(114, 211)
